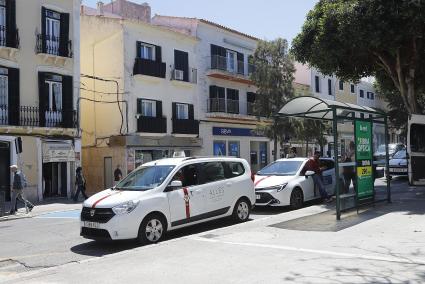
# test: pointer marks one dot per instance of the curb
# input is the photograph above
(15, 217)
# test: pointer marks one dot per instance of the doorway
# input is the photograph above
(55, 179)
(107, 172)
(4, 168)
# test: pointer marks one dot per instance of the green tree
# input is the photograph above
(273, 75)
(312, 130)
(359, 38)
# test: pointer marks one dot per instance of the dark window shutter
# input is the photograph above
(158, 109)
(138, 49)
(240, 63)
(221, 92)
(43, 29)
(191, 112)
(13, 86)
(67, 102)
(43, 98)
(174, 111)
(64, 35)
(213, 92)
(222, 51)
(158, 55)
(139, 106)
(181, 62)
(214, 49)
(11, 33)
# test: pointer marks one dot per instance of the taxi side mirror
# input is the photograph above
(174, 185)
(308, 174)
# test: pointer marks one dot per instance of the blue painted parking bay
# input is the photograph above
(71, 214)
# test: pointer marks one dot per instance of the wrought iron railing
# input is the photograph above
(4, 115)
(223, 105)
(52, 45)
(225, 64)
(13, 38)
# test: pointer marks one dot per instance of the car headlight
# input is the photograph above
(125, 208)
(278, 188)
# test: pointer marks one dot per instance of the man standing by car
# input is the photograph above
(313, 164)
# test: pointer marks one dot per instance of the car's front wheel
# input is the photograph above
(242, 210)
(297, 198)
(152, 229)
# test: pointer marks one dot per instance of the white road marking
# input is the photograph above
(325, 252)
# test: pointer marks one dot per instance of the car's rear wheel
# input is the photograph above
(297, 198)
(152, 229)
(242, 210)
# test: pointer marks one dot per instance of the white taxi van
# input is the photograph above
(283, 182)
(168, 194)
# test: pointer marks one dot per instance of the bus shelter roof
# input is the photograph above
(318, 108)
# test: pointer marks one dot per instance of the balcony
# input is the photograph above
(181, 76)
(185, 126)
(150, 124)
(149, 68)
(233, 70)
(31, 116)
(223, 105)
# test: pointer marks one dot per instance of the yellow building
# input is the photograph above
(39, 80)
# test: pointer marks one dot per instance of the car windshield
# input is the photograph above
(400, 155)
(281, 168)
(391, 148)
(145, 178)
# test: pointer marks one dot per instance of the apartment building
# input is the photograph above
(39, 73)
(139, 91)
(226, 94)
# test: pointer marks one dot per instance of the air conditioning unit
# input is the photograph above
(178, 75)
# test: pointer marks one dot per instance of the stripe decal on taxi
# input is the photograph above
(261, 179)
(94, 204)
(186, 201)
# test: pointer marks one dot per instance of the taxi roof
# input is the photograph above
(178, 161)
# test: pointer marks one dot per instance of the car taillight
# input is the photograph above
(252, 176)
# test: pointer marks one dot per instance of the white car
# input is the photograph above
(168, 194)
(398, 164)
(281, 183)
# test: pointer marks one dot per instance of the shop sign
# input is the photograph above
(232, 131)
(58, 152)
(363, 134)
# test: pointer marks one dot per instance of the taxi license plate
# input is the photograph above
(257, 196)
(395, 170)
(92, 225)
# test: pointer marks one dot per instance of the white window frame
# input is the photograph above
(182, 111)
(145, 108)
(53, 26)
(52, 85)
(144, 47)
(231, 55)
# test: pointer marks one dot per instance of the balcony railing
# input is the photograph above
(179, 75)
(223, 105)
(149, 67)
(4, 35)
(150, 124)
(185, 126)
(52, 45)
(223, 63)
(30, 116)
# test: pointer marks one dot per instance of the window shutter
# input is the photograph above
(221, 92)
(64, 35)
(222, 51)
(11, 34)
(43, 29)
(213, 92)
(13, 86)
(43, 100)
(181, 62)
(67, 102)
(250, 97)
(138, 49)
(139, 106)
(191, 112)
(214, 49)
(158, 109)
(158, 55)
(174, 106)
(240, 63)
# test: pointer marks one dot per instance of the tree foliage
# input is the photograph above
(273, 76)
(358, 38)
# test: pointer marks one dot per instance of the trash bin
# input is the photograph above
(2, 203)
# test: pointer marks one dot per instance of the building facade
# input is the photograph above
(39, 79)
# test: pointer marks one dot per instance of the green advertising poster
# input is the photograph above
(363, 134)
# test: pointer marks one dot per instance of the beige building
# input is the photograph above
(39, 80)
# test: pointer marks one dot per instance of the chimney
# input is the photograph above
(146, 12)
(100, 8)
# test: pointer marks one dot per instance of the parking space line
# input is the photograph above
(323, 252)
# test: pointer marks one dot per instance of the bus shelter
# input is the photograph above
(363, 120)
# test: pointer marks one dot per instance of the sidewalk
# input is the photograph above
(60, 204)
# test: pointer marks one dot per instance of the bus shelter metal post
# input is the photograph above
(335, 133)
(387, 157)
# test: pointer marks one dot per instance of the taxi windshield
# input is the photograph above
(145, 178)
(281, 168)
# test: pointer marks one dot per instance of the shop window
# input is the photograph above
(234, 148)
(219, 148)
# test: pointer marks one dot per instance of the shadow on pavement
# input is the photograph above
(99, 249)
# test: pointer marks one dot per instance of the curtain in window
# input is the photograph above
(56, 96)
(148, 108)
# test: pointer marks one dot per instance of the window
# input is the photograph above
(233, 169)
(54, 85)
(327, 164)
(147, 51)
(281, 168)
(188, 175)
(232, 100)
(145, 178)
(353, 90)
(148, 108)
(234, 148)
(341, 85)
(52, 31)
(182, 111)
(2, 22)
(4, 98)
(317, 84)
(368, 95)
(231, 60)
(329, 87)
(362, 94)
(210, 172)
(219, 148)
(372, 96)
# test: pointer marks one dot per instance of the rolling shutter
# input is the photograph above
(67, 102)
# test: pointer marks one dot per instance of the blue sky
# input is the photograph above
(267, 19)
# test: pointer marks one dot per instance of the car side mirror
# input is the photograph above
(174, 185)
(308, 174)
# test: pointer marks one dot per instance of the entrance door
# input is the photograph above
(4, 168)
(55, 179)
(107, 172)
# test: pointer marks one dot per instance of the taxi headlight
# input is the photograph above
(125, 208)
(278, 188)
(282, 187)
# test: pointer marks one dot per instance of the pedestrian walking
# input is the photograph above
(313, 164)
(17, 190)
(292, 153)
(117, 175)
(80, 182)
